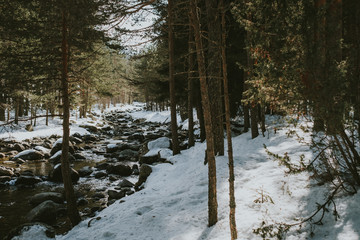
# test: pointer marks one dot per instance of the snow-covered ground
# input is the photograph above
(173, 205)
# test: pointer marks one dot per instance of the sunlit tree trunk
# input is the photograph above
(210, 151)
(232, 202)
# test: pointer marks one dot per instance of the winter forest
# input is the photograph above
(179, 119)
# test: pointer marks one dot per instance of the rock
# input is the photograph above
(42, 197)
(149, 159)
(126, 183)
(19, 147)
(89, 138)
(43, 150)
(79, 156)
(56, 158)
(115, 194)
(48, 230)
(119, 169)
(4, 179)
(20, 161)
(102, 166)
(82, 202)
(30, 154)
(98, 195)
(162, 142)
(27, 173)
(45, 212)
(29, 128)
(137, 136)
(145, 171)
(76, 140)
(4, 171)
(2, 155)
(128, 154)
(58, 145)
(111, 148)
(56, 175)
(27, 180)
(100, 175)
(85, 171)
(90, 128)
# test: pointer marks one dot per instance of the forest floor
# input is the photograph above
(173, 204)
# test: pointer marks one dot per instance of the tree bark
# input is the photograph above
(210, 151)
(72, 210)
(214, 73)
(232, 202)
(174, 134)
(254, 121)
(246, 118)
(191, 141)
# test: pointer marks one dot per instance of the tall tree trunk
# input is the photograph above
(2, 106)
(254, 120)
(72, 210)
(214, 73)
(246, 118)
(16, 110)
(200, 115)
(210, 151)
(190, 88)
(232, 202)
(174, 134)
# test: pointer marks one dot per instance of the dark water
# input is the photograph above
(14, 201)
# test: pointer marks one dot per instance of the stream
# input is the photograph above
(120, 139)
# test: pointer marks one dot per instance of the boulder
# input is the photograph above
(90, 128)
(4, 171)
(2, 155)
(79, 156)
(42, 197)
(145, 171)
(137, 136)
(4, 179)
(56, 175)
(100, 175)
(116, 194)
(111, 148)
(89, 138)
(76, 140)
(119, 169)
(29, 128)
(45, 212)
(43, 150)
(27, 180)
(47, 230)
(30, 154)
(128, 155)
(56, 158)
(58, 145)
(19, 147)
(85, 171)
(149, 159)
(162, 142)
(126, 183)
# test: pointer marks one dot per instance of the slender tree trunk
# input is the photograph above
(72, 210)
(210, 151)
(254, 121)
(200, 115)
(2, 106)
(246, 118)
(16, 111)
(174, 134)
(262, 115)
(190, 87)
(214, 73)
(232, 202)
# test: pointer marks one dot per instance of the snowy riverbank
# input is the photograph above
(173, 204)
